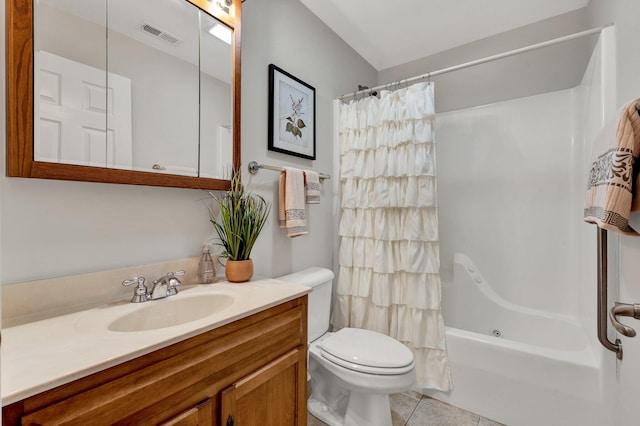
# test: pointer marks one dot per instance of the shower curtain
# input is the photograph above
(389, 278)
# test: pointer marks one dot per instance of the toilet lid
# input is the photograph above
(354, 348)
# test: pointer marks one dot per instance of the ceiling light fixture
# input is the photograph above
(222, 32)
(223, 5)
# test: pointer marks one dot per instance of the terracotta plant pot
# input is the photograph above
(239, 271)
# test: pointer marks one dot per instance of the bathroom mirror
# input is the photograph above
(143, 92)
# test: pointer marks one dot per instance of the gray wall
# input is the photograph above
(287, 34)
(53, 228)
(552, 68)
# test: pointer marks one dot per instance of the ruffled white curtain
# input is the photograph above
(389, 277)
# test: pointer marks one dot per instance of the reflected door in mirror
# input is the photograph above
(73, 110)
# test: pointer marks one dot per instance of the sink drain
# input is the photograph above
(496, 332)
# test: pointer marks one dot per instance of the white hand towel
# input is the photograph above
(293, 216)
(312, 187)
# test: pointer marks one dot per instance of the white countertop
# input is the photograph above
(42, 355)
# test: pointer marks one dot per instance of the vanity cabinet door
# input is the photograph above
(200, 415)
(274, 395)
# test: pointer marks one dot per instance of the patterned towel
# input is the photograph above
(312, 187)
(613, 189)
(293, 216)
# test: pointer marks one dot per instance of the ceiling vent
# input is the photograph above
(158, 32)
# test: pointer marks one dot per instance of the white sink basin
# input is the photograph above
(171, 311)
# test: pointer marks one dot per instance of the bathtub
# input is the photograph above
(517, 365)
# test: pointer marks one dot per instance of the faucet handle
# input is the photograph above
(136, 279)
(171, 286)
(174, 282)
(140, 293)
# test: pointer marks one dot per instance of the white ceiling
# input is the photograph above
(389, 33)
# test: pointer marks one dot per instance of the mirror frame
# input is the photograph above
(20, 101)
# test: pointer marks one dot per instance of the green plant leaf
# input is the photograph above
(301, 124)
(240, 220)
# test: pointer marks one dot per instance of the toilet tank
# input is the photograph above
(320, 280)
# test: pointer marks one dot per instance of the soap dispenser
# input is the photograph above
(206, 268)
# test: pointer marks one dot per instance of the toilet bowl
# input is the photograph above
(352, 371)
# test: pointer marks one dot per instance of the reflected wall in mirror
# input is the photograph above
(216, 131)
(137, 92)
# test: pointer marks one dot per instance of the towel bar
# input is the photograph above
(254, 166)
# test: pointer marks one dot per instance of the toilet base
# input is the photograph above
(338, 406)
(362, 409)
(373, 410)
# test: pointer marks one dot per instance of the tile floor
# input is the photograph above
(413, 409)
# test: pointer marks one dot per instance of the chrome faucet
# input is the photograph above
(166, 285)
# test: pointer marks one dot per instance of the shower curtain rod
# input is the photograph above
(480, 61)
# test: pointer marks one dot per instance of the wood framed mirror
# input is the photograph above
(23, 160)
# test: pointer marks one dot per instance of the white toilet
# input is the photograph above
(353, 371)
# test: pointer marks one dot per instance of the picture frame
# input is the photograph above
(292, 115)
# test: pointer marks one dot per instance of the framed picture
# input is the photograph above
(292, 115)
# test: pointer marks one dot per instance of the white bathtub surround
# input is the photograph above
(389, 263)
(519, 351)
(518, 262)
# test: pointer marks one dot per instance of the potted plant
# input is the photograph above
(239, 222)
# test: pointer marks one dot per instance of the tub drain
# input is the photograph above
(496, 332)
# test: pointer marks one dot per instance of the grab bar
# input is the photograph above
(602, 296)
(624, 310)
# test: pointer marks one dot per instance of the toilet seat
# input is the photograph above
(367, 351)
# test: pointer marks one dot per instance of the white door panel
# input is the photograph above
(78, 117)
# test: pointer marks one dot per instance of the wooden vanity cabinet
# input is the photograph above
(249, 372)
